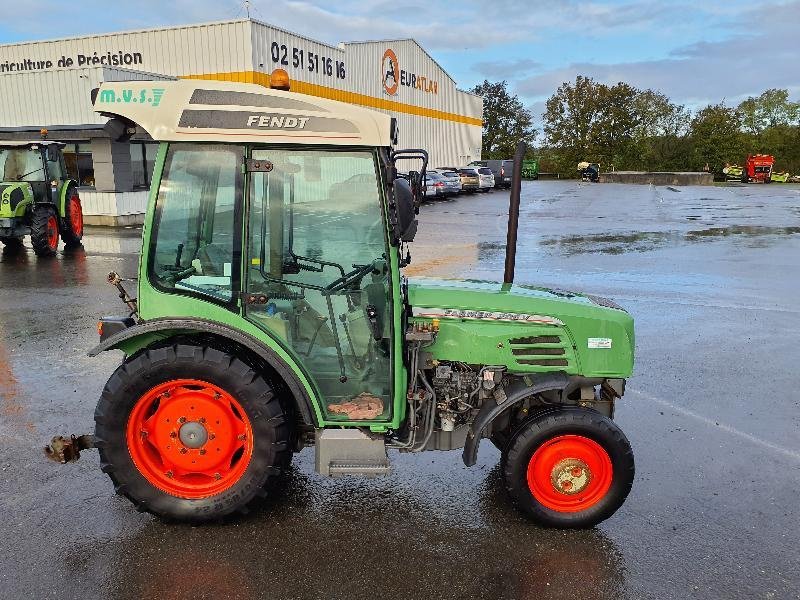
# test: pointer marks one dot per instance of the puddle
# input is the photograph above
(757, 236)
(744, 230)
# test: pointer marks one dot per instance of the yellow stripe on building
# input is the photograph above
(321, 91)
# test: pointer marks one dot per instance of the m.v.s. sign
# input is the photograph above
(393, 77)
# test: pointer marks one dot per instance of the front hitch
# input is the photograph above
(63, 450)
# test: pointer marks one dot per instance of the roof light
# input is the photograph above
(279, 80)
(43, 132)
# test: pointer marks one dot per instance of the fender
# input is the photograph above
(284, 370)
(62, 197)
(491, 410)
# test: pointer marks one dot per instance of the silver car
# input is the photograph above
(438, 185)
(452, 178)
(487, 179)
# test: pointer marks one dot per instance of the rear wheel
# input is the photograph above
(191, 433)
(72, 223)
(44, 231)
(570, 468)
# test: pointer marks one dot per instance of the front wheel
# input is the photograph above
(191, 433)
(570, 468)
(44, 231)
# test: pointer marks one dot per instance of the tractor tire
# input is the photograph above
(191, 433)
(72, 223)
(569, 468)
(44, 231)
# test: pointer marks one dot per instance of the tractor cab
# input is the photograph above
(37, 198)
(273, 315)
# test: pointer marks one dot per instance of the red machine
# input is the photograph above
(758, 167)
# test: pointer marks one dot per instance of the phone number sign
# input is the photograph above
(300, 58)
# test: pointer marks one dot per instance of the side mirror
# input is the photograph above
(405, 225)
(120, 130)
(417, 184)
(53, 154)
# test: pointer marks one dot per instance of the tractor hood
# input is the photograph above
(583, 334)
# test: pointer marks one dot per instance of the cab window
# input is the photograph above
(21, 164)
(318, 274)
(192, 248)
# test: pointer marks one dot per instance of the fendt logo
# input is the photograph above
(390, 69)
(151, 96)
(393, 77)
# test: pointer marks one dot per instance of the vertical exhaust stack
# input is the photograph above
(513, 214)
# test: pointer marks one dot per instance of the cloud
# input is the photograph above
(740, 66)
(506, 69)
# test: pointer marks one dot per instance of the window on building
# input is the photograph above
(80, 166)
(143, 157)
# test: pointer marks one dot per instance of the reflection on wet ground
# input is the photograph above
(711, 413)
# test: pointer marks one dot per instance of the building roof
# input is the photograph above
(220, 111)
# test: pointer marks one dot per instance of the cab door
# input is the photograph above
(318, 275)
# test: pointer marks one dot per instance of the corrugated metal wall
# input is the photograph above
(193, 49)
(441, 128)
(446, 123)
(56, 98)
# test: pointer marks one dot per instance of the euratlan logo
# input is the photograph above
(145, 96)
(394, 77)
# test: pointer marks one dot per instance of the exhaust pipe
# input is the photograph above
(513, 214)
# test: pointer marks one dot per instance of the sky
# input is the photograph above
(695, 52)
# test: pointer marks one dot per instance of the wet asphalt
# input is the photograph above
(712, 412)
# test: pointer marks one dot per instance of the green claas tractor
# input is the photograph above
(37, 198)
(273, 315)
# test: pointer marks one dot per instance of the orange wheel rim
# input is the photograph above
(52, 232)
(76, 215)
(189, 438)
(569, 473)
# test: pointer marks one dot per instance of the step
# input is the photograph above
(350, 452)
(336, 469)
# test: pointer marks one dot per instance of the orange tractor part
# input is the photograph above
(758, 167)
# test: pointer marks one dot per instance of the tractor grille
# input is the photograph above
(540, 351)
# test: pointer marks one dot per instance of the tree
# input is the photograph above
(570, 121)
(716, 137)
(771, 109)
(506, 121)
(771, 124)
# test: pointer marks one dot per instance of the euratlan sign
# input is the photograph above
(107, 59)
(394, 77)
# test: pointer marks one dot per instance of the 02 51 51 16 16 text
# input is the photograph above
(298, 58)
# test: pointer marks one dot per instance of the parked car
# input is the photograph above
(438, 186)
(486, 179)
(470, 179)
(452, 179)
(502, 172)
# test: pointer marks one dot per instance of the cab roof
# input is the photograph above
(217, 111)
(26, 143)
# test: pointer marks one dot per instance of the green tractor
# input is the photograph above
(37, 198)
(273, 315)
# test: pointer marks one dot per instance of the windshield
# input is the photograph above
(21, 164)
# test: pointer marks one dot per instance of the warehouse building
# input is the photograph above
(48, 84)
